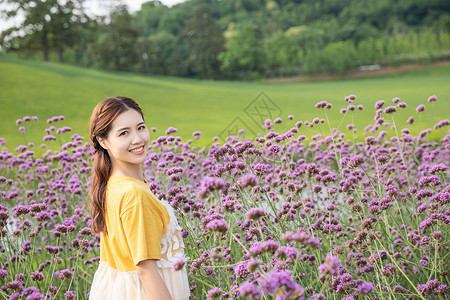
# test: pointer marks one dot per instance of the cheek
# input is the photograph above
(118, 145)
(146, 136)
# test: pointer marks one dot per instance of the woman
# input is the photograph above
(139, 235)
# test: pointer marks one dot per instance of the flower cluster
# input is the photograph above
(286, 215)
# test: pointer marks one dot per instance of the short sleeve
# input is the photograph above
(143, 230)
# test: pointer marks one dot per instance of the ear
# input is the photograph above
(102, 142)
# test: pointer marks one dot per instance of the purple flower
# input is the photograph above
(85, 231)
(21, 148)
(355, 161)
(274, 149)
(42, 216)
(330, 266)
(37, 276)
(65, 274)
(420, 108)
(432, 98)
(14, 285)
(49, 138)
(69, 295)
(350, 98)
(20, 210)
(247, 180)
(209, 184)
(250, 290)
(255, 213)
(316, 188)
(379, 104)
(438, 168)
(365, 288)
(171, 130)
(179, 264)
(3, 217)
(280, 283)
(196, 134)
(53, 290)
(286, 252)
(175, 177)
(433, 287)
(398, 289)
(441, 123)
(218, 225)
(214, 293)
(260, 169)
(261, 247)
(36, 295)
(321, 104)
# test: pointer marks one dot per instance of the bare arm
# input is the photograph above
(154, 286)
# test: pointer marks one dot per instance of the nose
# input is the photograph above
(137, 139)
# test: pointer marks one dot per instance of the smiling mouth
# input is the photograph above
(137, 150)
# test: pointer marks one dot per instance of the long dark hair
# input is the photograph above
(102, 117)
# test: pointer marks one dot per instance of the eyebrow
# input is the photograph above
(126, 128)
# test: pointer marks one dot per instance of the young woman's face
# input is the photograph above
(127, 141)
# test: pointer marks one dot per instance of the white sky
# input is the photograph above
(133, 5)
(97, 7)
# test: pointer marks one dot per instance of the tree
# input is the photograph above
(244, 51)
(63, 26)
(49, 21)
(164, 54)
(281, 54)
(148, 18)
(115, 48)
(339, 57)
(205, 41)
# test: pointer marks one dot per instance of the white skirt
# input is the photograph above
(111, 284)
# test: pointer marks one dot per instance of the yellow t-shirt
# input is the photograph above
(135, 220)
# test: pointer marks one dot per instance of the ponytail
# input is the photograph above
(100, 174)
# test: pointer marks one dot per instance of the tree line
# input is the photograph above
(233, 39)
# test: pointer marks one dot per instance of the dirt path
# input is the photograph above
(356, 74)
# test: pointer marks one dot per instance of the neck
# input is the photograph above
(135, 173)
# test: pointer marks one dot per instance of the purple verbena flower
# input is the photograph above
(432, 98)
(364, 288)
(420, 108)
(330, 266)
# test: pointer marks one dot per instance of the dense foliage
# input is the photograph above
(235, 38)
(279, 215)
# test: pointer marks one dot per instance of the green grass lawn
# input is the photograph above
(48, 89)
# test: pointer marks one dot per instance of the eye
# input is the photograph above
(123, 133)
(141, 127)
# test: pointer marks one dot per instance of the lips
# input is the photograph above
(138, 150)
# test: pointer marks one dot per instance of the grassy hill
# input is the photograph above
(48, 89)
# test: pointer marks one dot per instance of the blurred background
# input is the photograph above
(229, 39)
(197, 64)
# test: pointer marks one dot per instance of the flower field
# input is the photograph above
(281, 216)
